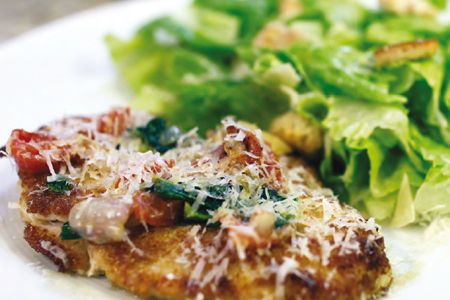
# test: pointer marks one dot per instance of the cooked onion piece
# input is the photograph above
(100, 220)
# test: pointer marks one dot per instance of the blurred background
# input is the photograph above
(18, 16)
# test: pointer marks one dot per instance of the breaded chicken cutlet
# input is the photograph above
(166, 214)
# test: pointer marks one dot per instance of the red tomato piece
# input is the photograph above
(25, 147)
(155, 210)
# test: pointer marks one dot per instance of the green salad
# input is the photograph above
(372, 83)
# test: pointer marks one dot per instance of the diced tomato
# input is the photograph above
(25, 147)
(115, 122)
(155, 210)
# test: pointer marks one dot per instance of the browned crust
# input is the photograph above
(43, 202)
(148, 275)
(139, 274)
(76, 256)
(405, 51)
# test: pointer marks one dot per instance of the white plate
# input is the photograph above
(63, 68)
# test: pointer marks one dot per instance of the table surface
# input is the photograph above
(18, 16)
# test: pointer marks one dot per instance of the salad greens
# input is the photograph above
(387, 126)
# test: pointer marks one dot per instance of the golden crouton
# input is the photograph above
(290, 8)
(299, 132)
(405, 51)
(409, 7)
(277, 35)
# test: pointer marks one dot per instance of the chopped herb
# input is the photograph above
(271, 194)
(280, 221)
(157, 135)
(217, 193)
(67, 233)
(217, 196)
(61, 184)
(170, 190)
(192, 215)
(215, 225)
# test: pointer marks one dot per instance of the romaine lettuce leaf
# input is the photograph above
(433, 196)
(396, 209)
(203, 105)
(355, 121)
(166, 66)
(347, 12)
(440, 4)
(382, 209)
(373, 151)
(436, 153)
(342, 71)
(405, 212)
(253, 14)
(425, 95)
(210, 33)
(311, 104)
(388, 166)
(270, 70)
(395, 29)
(213, 26)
